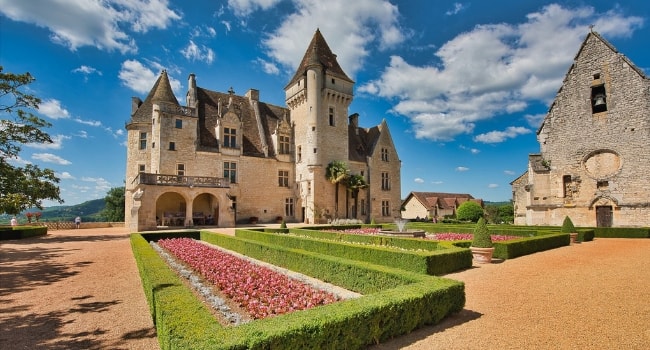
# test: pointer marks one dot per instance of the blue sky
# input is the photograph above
(462, 85)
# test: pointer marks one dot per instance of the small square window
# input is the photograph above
(179, 123)
(172, 146)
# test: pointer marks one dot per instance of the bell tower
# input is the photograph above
(318, 96)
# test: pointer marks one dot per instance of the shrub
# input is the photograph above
(567, 226)
(470, 211)
(283, 224)
(482, 237)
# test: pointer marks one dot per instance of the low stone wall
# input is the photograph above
(69, 225)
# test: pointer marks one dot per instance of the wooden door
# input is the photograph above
(604, 216)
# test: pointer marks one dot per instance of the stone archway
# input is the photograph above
(205, 209)
(171, 209)
(604, 210)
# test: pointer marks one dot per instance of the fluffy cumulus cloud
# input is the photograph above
(500, 136)
(101, 24)
(359, 24)
(52, 109)
(493, 69)
(418, 180)
(140, 78)
(57, 143)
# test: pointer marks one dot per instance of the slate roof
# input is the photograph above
(318, 52)
(160, 92)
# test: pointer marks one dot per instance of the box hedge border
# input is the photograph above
(21, 232)
(428, 257)
(183, 322)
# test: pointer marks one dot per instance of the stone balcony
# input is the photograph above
(180, 180)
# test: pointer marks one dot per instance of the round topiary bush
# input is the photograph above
(567, 226)
(469, 211)
(482, 237)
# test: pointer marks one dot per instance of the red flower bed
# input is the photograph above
(358, 231)
(448, 236)
(259, 290)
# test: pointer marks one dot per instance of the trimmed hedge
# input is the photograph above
(20, 232)
(432, 259)
(183, 322)
(622, 232)
(519, 247)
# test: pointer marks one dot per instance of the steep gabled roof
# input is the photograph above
(318, 52)
(575, 59)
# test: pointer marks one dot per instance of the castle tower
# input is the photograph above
(318, 96)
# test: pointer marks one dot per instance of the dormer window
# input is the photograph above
(230, 137)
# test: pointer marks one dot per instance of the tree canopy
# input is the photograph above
(469, 211)
(114, 210)
(27, 186)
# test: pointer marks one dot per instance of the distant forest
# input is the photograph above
(89, 211)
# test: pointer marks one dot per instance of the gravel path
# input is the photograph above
(80, 289)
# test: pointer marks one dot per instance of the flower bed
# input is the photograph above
(358, 231)
(262, 292)
(449, 236)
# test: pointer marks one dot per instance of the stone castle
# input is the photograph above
(594, 164)
(224, 159)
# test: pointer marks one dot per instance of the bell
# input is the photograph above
(599, 100)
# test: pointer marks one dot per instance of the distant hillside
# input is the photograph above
(89, 211)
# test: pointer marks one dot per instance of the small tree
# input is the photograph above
(336, 172)
(469, 211)
(567, 226)
(114, 209)
(482, 237)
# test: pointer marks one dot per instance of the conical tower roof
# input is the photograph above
(318, 52)
(162, 90)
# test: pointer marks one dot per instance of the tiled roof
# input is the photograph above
(442, 200)
(252, 145)
(318, 52)
(160, 92)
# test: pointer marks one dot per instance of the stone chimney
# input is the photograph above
(253, 94)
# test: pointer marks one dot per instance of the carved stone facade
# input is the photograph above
(224, 159)
(594, 164)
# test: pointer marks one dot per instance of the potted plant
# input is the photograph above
(482, 247)
(567, 227)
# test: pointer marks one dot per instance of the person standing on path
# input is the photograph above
(77, 221)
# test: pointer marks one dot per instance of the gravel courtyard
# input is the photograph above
(80, 289)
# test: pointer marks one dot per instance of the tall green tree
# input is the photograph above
(22, 187)
(336, 173)
(114, 210)
(354, 184)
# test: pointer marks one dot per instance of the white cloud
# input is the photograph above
(418, 180)
(52, 109)
(50, 158)
(65, 176)
(358, 25)
(462, 168)
(493, 69)
(202, 53)
(437, 182)
(508, 172)
(101, 185)
(86, 71)
(458, 7)
(493, 185)
(500, 136)
(268, 67)
(137, 77)
(99, 24)
(243, 8)
(57, 143)
(535, 120)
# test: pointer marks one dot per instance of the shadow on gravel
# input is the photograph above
(52, 237)
(26, 269)
(448, 322)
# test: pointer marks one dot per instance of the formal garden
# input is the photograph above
(311, 287)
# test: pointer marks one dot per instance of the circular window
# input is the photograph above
(602, 163)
